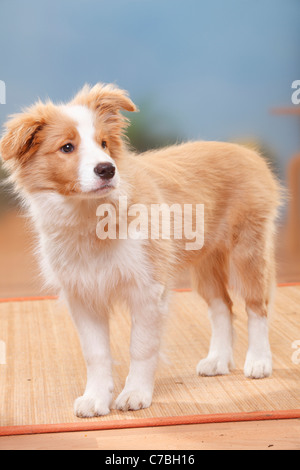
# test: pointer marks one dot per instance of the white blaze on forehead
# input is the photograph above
(89, 151)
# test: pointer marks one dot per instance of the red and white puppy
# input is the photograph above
(67, 159)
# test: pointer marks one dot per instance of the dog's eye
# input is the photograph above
(68, 148)
(104, 144)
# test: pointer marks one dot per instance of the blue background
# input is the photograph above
(200, 69)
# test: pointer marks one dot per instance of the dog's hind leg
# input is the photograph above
(253, 266)
(210, 280)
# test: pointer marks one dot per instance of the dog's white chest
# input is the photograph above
(83, 264)
(74, 258)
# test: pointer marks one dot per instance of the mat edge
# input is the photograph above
(54, 297)
(149, 422)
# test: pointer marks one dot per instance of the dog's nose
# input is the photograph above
(105, 170)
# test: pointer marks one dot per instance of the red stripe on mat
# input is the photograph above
(149, 422)
(25, 299)
(288, 284)
(53, 297)
(280, 284)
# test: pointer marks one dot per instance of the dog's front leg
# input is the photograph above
(147, 320)
(93, 332)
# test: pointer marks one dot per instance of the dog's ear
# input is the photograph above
(105, 98)
(21, 137)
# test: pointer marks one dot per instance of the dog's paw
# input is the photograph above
(88, 407)
(258, 367)
(133, 400)
(212, 366)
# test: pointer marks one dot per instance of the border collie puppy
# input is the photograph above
(67, 160)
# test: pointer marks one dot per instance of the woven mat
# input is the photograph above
(44, 371)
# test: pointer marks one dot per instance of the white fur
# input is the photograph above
(148, 310)
(91, 276)
(88, 279)
(220, 356)
(90, 153)
(259, 358)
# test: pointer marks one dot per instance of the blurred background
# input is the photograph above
(197, 69)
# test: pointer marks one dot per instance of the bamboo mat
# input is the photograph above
(45, 371)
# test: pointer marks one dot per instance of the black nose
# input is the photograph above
(105, 170)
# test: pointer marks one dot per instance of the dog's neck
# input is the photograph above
(51, 211)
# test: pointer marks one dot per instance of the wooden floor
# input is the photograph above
(265, 435)
(18, 277)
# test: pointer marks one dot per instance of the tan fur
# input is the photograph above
(240, 197)
(237, 188)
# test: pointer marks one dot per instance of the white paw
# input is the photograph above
(258, 367)
(133, 400)
(88, 407)
(212, 366)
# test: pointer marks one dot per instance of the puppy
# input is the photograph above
(68, 160)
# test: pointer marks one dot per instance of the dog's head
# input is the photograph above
(73, 148)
